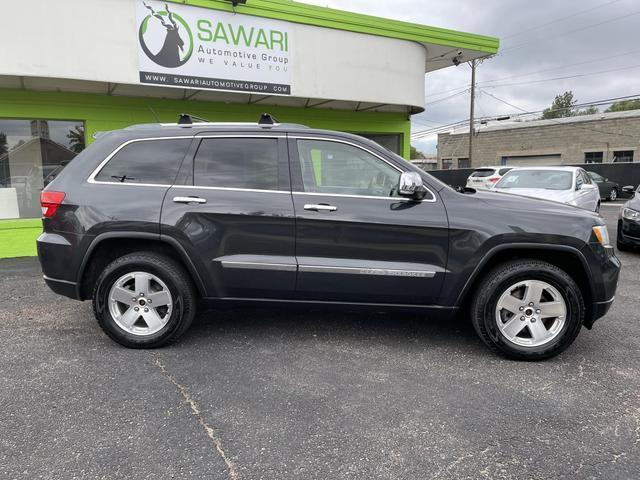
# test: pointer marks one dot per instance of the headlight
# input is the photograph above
(630, 214)
(602, 234)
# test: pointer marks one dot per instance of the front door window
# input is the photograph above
(339, 168)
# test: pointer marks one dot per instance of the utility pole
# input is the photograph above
(471, 110)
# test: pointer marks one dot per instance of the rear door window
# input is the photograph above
(242, 163)
(151, 162)
(503, 171)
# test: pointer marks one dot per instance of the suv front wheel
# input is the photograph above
(144, 300)
(528, 310)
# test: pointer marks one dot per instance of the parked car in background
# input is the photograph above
(486, 177)
(570, 185)
(608, 190)
(629, 221)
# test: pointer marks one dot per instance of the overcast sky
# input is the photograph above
(555, 48)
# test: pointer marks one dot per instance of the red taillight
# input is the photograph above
(50, 201)
(494, 179)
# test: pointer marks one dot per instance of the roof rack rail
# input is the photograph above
(267, 120)
(187, 119)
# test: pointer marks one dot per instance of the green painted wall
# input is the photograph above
(102, 112)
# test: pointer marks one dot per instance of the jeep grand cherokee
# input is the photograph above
(153, 221)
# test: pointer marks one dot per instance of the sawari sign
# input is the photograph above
(191, 47)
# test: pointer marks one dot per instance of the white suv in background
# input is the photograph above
(485, 178)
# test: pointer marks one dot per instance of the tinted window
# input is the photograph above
(483, 172)
(464, 163)
(332, 167)
(502, 171)
(148, 161)
(595, 176)
(237, 163)
(549, 179)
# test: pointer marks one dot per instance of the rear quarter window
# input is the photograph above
(153, 162)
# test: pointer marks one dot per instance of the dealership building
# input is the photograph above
(71, 68)
(609, 137)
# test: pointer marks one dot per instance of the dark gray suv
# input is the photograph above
(153, 221)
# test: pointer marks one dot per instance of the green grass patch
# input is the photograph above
(18, 237)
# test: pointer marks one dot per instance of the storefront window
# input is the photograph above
(32, 153)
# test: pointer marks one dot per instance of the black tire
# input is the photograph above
(175, 278)
(497, 281)
(613, 194)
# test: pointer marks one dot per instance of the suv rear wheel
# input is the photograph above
(528, 310)
(144, 300)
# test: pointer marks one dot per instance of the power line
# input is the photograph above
(588, 74)
(560, 19)
(570, 124)
(449, 126)
(499, 79)
(614, 19)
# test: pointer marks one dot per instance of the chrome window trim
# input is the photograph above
(397, 199)
(231, 189)
(103, 163)
(392, 272)
(336, 140)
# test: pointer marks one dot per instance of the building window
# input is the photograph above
(593, 157)
(447, 163)
(389, 141)
(464, 163)
(623, 156)
(32, 153)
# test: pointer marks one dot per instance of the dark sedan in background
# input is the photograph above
(608, 190)
(629, 221)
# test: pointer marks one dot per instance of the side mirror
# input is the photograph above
(628, 189)
(410, 185)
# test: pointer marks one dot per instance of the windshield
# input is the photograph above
(549, 179)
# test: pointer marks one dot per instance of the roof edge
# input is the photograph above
(318, 16)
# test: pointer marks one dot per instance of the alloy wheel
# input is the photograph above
(140, 303)
(531, 313)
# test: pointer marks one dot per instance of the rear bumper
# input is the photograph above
(63, 287)
(55, 253)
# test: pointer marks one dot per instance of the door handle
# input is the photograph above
(321, 207)
(189, 200)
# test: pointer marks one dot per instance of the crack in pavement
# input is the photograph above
(195, 411)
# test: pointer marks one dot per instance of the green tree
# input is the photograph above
(563, 106)
(415, 153)
(76, 139)
(590, 110)
(624, 105)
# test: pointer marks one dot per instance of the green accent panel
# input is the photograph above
(316, 160)
(102, 112)
(18, 237)
(290, 11)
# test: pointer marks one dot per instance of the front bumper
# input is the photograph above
(629, 231)
(605, 270)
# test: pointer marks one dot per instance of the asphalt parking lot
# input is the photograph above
(278, 394)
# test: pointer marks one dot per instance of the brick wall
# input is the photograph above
(569, 140)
